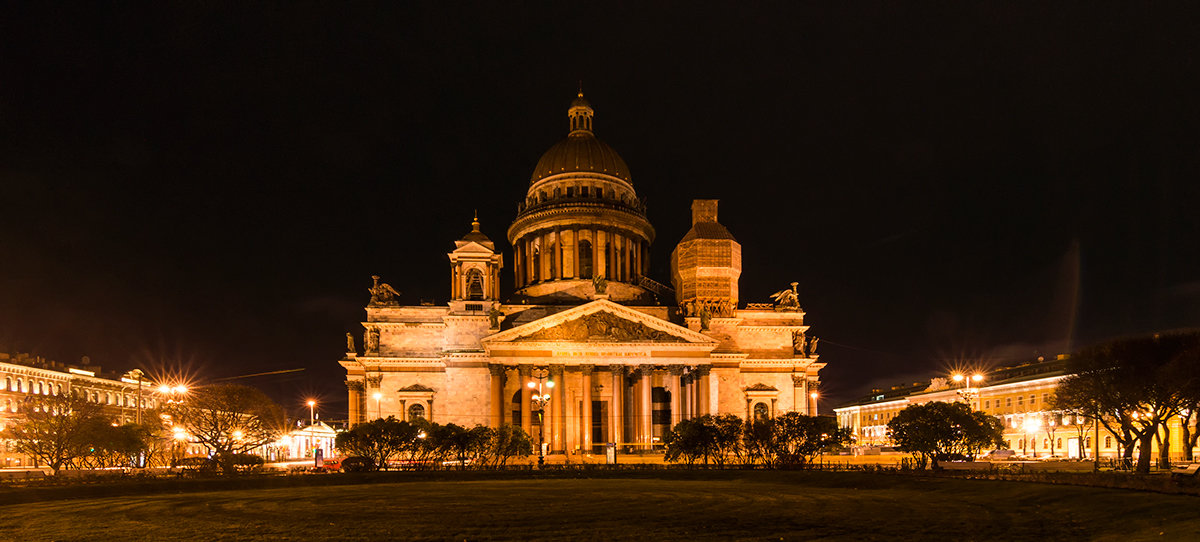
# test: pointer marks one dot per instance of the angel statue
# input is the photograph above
(382, 293)
(799, 343)
(787, 299)
(600, 283)
(350, 342)
(812, 347)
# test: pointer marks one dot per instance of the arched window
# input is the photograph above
(1045, 444)
(474, 285)
(107, 398)
(8, 384)
(1107, 441)
(516, 409)
(57, 389)
(585, 259)
(1058, 444)
(415, 412)
(24, 385)
(761, 412)
(37, 388)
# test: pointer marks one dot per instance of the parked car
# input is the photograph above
(1000, 455)
(330, 465)
(357, 464)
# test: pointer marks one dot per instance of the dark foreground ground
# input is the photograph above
(682, 506)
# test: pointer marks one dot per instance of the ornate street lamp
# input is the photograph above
(541, 398)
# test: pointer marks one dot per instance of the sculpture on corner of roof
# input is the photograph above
(494, 317)
(787, 299)
(705, 317)
(800, 343)
(600, 284)
(382, 293)
(812, 346)
(350, 342)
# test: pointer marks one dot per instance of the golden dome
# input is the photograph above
(580, 152)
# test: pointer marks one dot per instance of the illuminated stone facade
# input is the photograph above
(1020, 397)
(24, 375)
(628, 355)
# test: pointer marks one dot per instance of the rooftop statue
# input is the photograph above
(382, 293)
(787, 299)
(600, 283)
(350, 342)
(494, 317)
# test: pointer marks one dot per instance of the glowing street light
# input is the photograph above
(814, 396)
(312, 413)
(541, 398)
(378, 406)
(1032, 424)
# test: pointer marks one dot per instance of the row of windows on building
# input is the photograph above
(1008, 401)
(1058, 443)
(38, 387)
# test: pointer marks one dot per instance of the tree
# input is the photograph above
(56, 430)
(379, 440)
(690, 440)
(230, 419)
(934, 431)
(504, 443)
(799, 438)
(1132, 386)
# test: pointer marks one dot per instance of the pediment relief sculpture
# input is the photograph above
(601, 326)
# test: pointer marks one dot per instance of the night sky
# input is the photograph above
(209, 189)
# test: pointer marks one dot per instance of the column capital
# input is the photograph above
(702, 370)
(675, 370)
(496, 369)
(355, 385)
(587, 369)
(798, 380)
(525, 370)
(374, 380)
(616, 368)
(557, 368)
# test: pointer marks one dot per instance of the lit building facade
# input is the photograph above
(1020, 397)
(628, 356)
(24, 375)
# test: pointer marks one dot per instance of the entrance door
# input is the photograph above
(1073, 448)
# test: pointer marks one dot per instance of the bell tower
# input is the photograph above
(706, 265)
(474, 272)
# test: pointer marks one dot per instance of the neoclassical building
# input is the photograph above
(628, 356)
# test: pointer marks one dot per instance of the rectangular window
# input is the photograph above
(987, 404)
(1020, 400)
(1008, 401)
(474, 307)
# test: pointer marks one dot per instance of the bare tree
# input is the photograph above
(56, 430)
(230, 419)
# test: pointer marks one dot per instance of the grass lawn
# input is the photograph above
(672, 506)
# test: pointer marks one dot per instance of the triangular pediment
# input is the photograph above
(600, 321)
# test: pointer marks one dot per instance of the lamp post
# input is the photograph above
(968, 393)
(312, 413)
(1031, 425)
(378, 406)
(542, 385)
(815, 409)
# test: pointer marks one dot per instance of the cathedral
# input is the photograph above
(587, 350)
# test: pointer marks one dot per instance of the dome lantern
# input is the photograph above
(580, 116)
